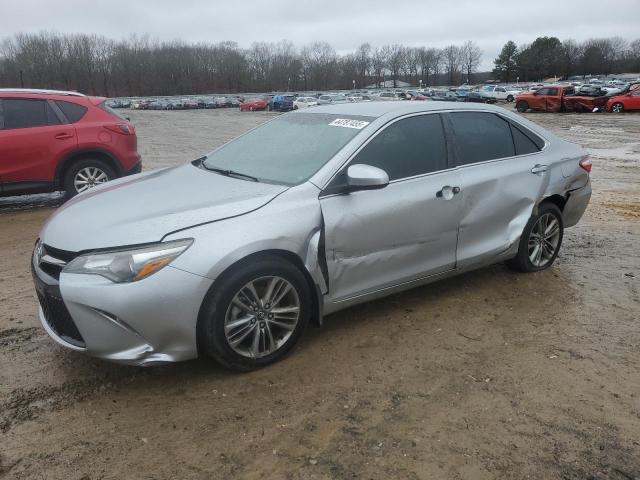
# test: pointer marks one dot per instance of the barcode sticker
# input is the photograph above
(348, 123)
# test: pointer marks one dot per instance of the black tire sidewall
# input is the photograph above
(525, 106)
(70, 174)
(211, 335)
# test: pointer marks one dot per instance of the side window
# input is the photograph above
(481, 136)
(522, 142)
(543, 91)
(72, 111)
(26, 113)
(408, 147)
(552, 91)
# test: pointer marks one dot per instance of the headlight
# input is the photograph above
(122, 266)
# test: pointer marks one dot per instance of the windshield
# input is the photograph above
(289, 149)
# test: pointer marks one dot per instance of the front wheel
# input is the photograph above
(522, 107)
(86, 174)
(256, 315)
(617, 107)
(540, 241)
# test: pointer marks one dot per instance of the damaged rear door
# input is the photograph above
(380, 238)
(503, 175)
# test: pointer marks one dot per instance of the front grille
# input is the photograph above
(54, 269)
(59, 319)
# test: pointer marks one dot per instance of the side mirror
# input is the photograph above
(366, 177)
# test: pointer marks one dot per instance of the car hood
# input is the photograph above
(145, 207)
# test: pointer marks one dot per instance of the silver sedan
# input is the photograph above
(233, 254)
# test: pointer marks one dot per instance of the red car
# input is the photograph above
(627, 101)
(51, 140)
(253, 104)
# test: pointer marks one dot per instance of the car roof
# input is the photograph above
(32, 91)
(379, 109)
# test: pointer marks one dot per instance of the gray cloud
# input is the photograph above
(345, 24)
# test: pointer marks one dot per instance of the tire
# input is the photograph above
(509, 98)
(95, 172)
(548, 214)
(617, 107)
(221, 309)
(522, 106)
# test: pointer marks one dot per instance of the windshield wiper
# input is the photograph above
(228, 173)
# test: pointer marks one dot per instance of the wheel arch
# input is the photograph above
(558, 200)
(316, 294)
(85, 153)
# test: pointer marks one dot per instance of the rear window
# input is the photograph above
(72, 111)
(110, 110)
(27, 113)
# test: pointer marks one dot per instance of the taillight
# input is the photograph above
(121, 128)
(585, 164)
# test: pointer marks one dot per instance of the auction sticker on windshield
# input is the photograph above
(348, 123)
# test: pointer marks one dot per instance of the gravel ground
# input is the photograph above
(487, 375)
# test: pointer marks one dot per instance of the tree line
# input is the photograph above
(141, 66)
(548, 57)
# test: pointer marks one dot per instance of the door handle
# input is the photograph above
(539, 169)
(448, 192)
(63, 136)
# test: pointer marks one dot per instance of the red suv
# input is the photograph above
(51, 140)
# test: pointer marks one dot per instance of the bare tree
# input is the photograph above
(471, 55)
(452, 61)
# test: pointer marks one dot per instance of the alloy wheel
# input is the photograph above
(89, 177)
(617, 108)
(543, 240)
(262, 316)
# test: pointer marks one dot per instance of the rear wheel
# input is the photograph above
(86, 174)
(522, 106)
(540, 241)
(256, 315)
(617, 107)
(509, 98)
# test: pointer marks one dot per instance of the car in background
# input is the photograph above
(234, 254)
(444, 96)
(232, 102)
(626, 102)
(53, 140)
(304, 102)
(500, 92)
(281, 103)
(478, 97)
(253, 104)
(389, 96)
(559, 98)
(329, 99)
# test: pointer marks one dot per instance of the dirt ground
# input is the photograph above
(488, 375)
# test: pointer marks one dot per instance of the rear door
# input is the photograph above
(553, 99)
(32, 140)
(376, 239)
(502, 176)
(633, 101)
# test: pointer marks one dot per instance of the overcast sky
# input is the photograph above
(344, 24)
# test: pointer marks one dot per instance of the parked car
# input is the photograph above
(304, 102)
(626, 102)
(389, 96)
(253, 104)
(281, 103)
(478, 97)
(500, 92)
(331, 99)
(558, 98)
(444, 96)
(233, 254)
(52, 140)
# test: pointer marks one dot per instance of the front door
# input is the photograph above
(376, 239)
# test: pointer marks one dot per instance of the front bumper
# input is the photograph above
(140, 323)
